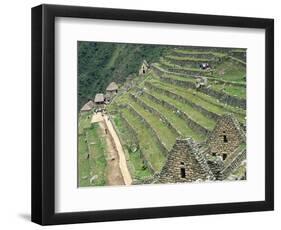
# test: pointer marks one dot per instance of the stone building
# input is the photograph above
(144, 68)
(216, 159)
(185, 163)
(226, 137)
(88, 106)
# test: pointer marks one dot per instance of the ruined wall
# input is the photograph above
(226, 137)
(134, 138)
(164, 119)
(162, 146)
(194, 63)
(184, 157)
(221, 96)
(197, 107)
(143, 69)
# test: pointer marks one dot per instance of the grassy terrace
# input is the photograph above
(165, 63)
(201, 99)
(168, 138)
(188, 59)
(164, 133)
(193, 114)
(92, 157)
(84, 122)
(175, 120)
(192, 52)
(135, 162)
(238, 60)
(230, 71)
(147, 142)
(236, 91)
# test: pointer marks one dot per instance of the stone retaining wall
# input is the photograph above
(239, 55)
(162, 146)
(192, 63)
(195, 55)
(233, 165)
(134, 137)
(189, 72)
(225, 98)
(191, 123)
(204, 111)
(222, 97)
(157, 113)
(213, 79)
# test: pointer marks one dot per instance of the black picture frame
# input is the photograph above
(43, 114)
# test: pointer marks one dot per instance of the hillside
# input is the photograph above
(100, 63)
(176, 99)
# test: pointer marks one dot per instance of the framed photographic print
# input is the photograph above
(141, 114)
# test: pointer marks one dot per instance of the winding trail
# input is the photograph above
(117, 170)
(117, 145)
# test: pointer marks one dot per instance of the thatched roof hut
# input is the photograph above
(112, 87)
(99, 98)
(88, 106)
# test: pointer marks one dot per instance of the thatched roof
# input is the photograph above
(112, 86)
(88, 106)
(99, 98)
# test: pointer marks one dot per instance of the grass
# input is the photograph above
(92, 151)
(84, 121)
(191, 59)
(231, 71)
(203, 101)
(193, 114)
(164, 62)
(192, 52)
(232, 90)
(165, 134)
(136, 164)
(92, 157)
(192, 96)
(175, 120)
(147, 142)
(236, 91)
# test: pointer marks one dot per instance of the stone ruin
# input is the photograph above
(215, 159)
(144, 68)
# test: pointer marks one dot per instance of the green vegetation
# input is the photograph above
(227, 87)
(84, 122)
(151, 111)
(99, 63)
(136, 163)
(200, 99)
(196, 52)
(147, 142)
(164, 62)
(187, 59)
(187, 109)
(92, 157)
(231, 71)
(164, 132)
(175, 120)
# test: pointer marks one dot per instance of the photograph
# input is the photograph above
(160, 114)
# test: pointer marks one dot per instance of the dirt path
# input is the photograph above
(117, 172)
(114, 175)
(118, 147)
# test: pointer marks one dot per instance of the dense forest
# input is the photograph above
(99, 63)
